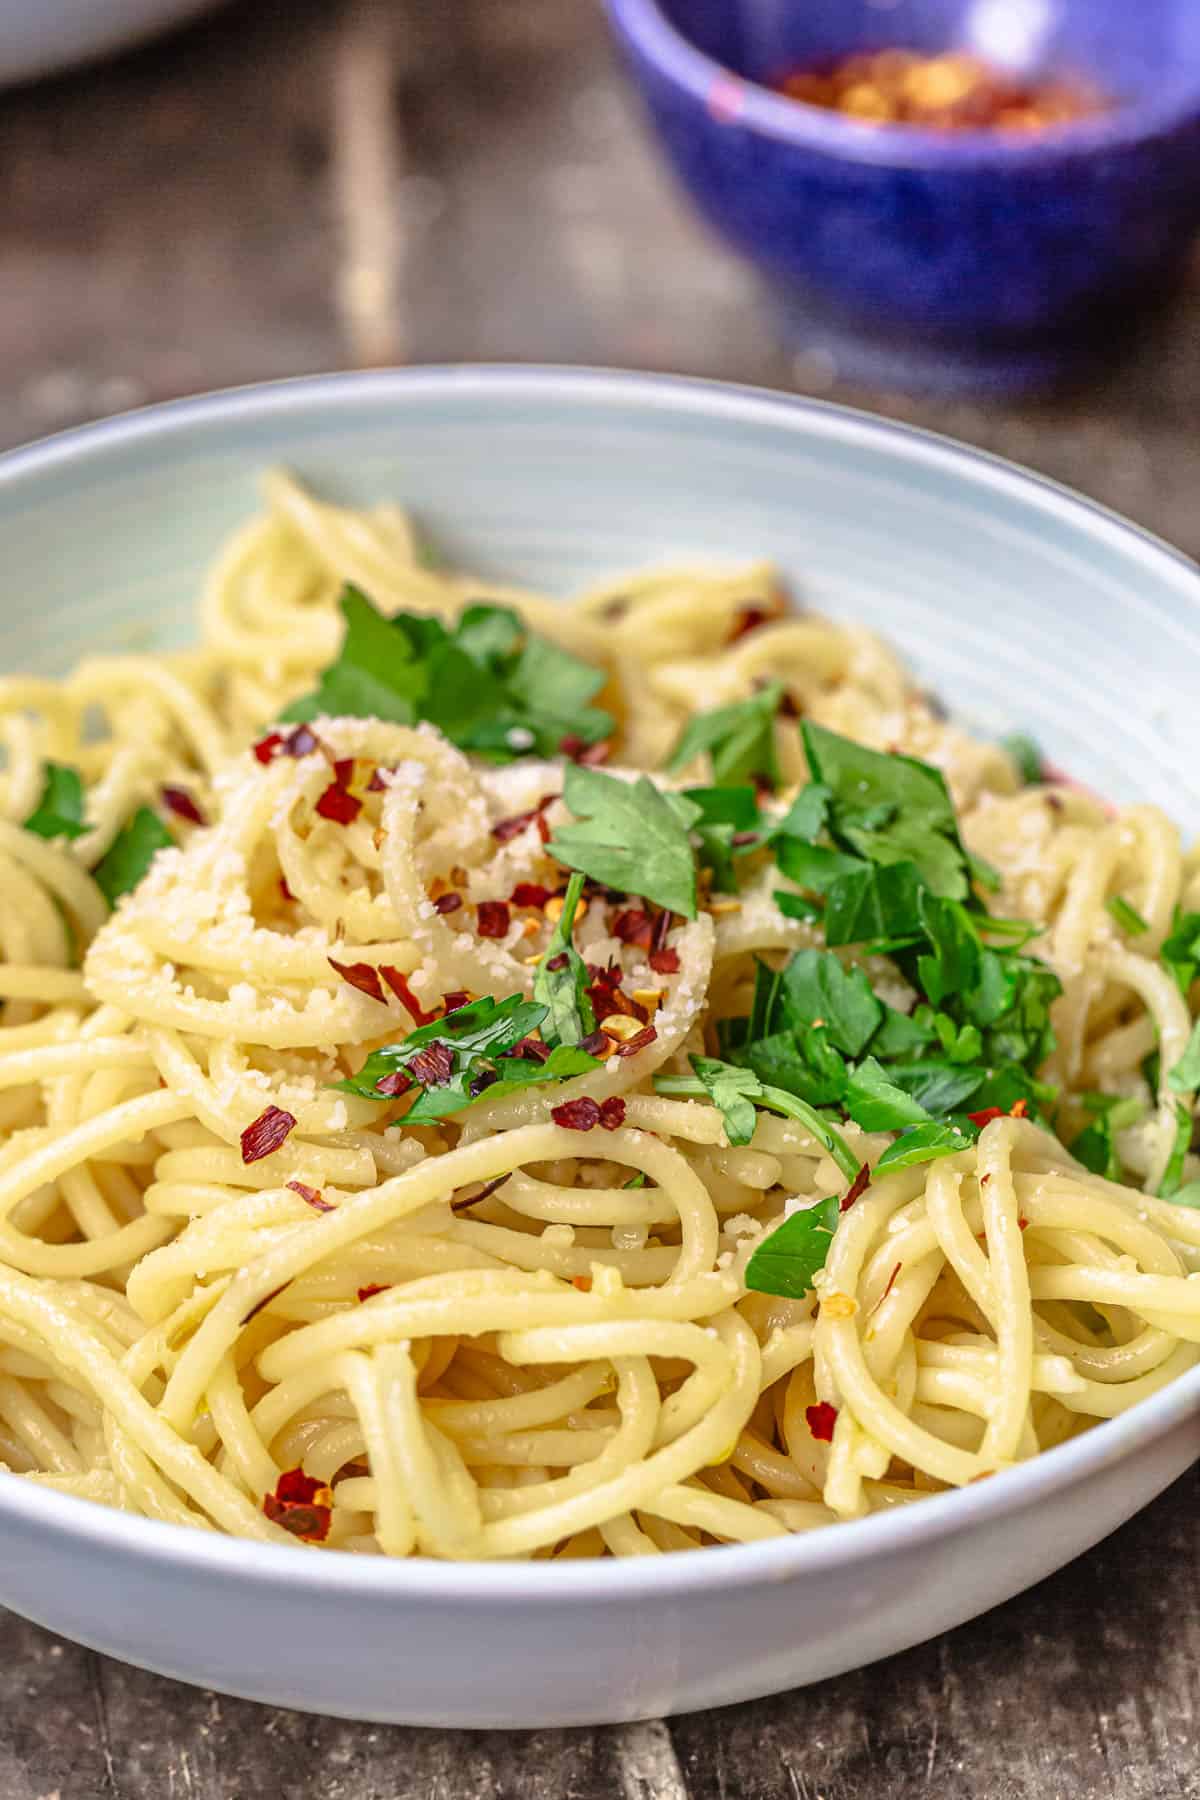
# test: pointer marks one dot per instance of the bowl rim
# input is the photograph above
(602, 1582)
(733, 99)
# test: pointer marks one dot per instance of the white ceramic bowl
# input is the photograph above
(1027, 607)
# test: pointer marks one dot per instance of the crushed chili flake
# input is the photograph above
(631, 1046)
(485, 1193)
(339, 805)
(529, 893)
(284, 889)
(596, 1043)
(505, 829)
(633, 926)
(180, 802)
(433, 1066)
(571, 745)
(302, 1505)
(788, 708)
(480, 1083)
(492, 918)
(582, 1282)
(740, 839)
(452, 1002)
(377, 784)
(664, 962)
(259, 1304)
(748, 619)
(890, 1284)
(662, 926)
(1018, 1109)
(265, 1134)
(612, 1112)
(821, 1420)
(986, 1116)
(595, 754)
(577, 1115)
(313, 1196)
(1022, 1224)
(858, 1186)
(405, 995)
(393, 1085)
(301, 742)
(373, 1287)
(343, 771)
(532, 1049)
(543, 828)
(360, 975)
(268, 747)
(448, 903)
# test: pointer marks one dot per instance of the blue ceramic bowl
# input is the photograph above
(977, 258)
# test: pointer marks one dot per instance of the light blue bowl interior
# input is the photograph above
(1024, 606)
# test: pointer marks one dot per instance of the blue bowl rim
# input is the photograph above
(733, 100)
(381, 1581)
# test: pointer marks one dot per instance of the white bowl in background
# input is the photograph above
(42, 37)
(1025, 605)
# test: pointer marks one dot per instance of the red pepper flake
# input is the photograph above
(301, 742)
(505, 829)
(582, 1282)
(748, 619)
(448, 903)
(664, 962)
(485, 1193)
(284, 889)
(662, 926)
(859, 1185)
(265, 1301)
(986, 1116)
(266, 1133)
(268, 747)
(612, 1112)
(631, 1046)
(180, 802)
(377, 784)
(339, 805)
(361, 975)
(311, 1195)
(543, 828)
(595, 754)
(633, 926)
(405, 995)
(393, 1085)
(302, 1505)
(433, 1066)
(596, 1043)
(373, 1287)
(984, 1179)
(343, 771)
(890, 1284)
(452, 1002)
(821, 1420)
(492, 918)
(1022, 1224)
(577, 1115)
(788, 708)
(529, 893)
(572, 745)
(532, 1049)
(1018, 1109)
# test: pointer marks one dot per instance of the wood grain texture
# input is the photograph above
(201, 213)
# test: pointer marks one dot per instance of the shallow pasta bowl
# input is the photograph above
(1016, 600)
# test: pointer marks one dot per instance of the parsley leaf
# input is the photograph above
(818, 989)
(489, 684)
(1173, 1173)
(773, 1098)
(59, 812)
(739, 739)
(129, 856)
(889, 808)
(630, 836)
(466, 1057)
(726, 814)
(1184, 1077)
(1181, 950)
(790, 1257)
(561, 981)
(1128, 917)
(733, 1092)
(1026, 755)
(925, 1143)
(1187, 1195)
(878, 1104)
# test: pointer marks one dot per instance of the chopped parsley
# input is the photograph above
(59, 811)
(631, 836)
(492, 686)
(1026, 756)
(471, 1053)
(129, 856)
(561, 981)
(789, 1258)
(738, 739)
(1126, 916)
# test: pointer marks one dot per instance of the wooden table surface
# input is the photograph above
(309, 185)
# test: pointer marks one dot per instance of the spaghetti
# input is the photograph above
(285, 1253)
